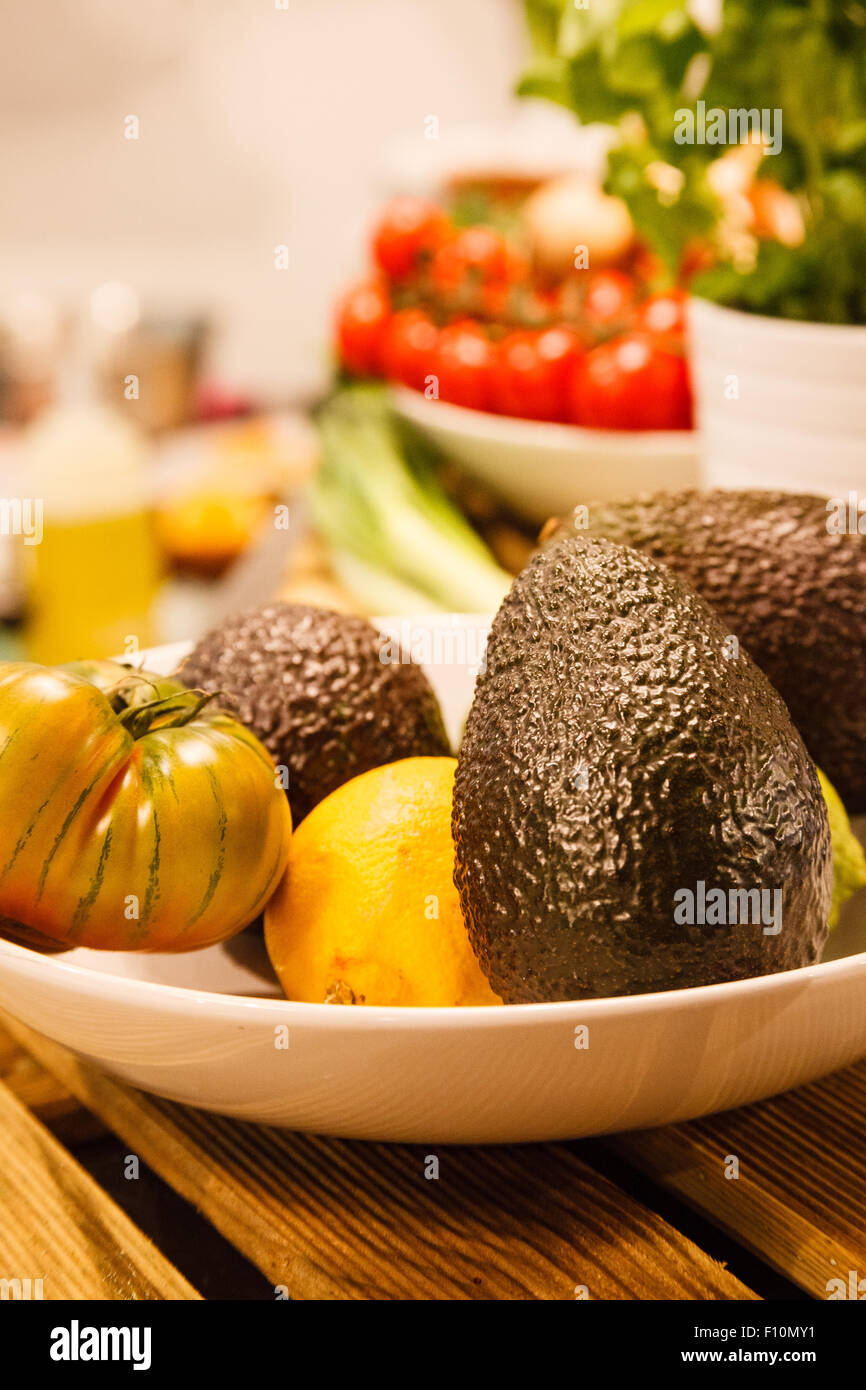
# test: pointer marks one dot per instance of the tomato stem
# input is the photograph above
(170, 712)
(117, 695)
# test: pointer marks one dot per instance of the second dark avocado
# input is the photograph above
(313, 686)
(790, 588)
(615, 757)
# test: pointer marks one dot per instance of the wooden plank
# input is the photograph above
(57, 1225)
(43, 1094)
(331, 1219)
(10, 1051)
(798, 1202)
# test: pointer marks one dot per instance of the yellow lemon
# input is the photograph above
(367, 912)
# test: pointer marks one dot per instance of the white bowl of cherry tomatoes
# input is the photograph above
(552, 383)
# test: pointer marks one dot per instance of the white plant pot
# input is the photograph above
(780, 404)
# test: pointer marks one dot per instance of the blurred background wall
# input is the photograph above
(259, 126)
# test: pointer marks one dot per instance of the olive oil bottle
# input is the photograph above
(94, 575)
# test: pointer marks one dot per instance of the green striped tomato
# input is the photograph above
(133, 817)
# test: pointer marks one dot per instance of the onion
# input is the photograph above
(570, 213)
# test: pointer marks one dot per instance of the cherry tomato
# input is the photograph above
(464, 365)
(532, 373)
(662, 313)
(362, 317)
(409, 348)
(631, 383)
(408, 229)
(478, 254)
(609, 296)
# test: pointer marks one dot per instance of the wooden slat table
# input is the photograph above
(60, 1227)
(324, 1218)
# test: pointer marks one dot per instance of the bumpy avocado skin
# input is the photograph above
(312, 687)
(613, 755)
(793, 593)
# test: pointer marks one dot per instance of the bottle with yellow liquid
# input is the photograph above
(94, 575)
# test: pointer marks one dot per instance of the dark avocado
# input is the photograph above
(311, 686)
(615, 759)
(791, 590)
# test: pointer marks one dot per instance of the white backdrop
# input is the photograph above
(258, 126)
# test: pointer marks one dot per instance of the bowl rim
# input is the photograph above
(236, 1008)
(518, 431)
(808, 331)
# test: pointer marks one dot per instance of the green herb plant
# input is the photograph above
(636, 64)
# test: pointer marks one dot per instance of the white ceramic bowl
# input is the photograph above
(543, 469)
(781, 404)
(203, 1028)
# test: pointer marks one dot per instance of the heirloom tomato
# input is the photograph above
(133, 815)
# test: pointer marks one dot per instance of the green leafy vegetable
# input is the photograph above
(638, 63)
(394, 533)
